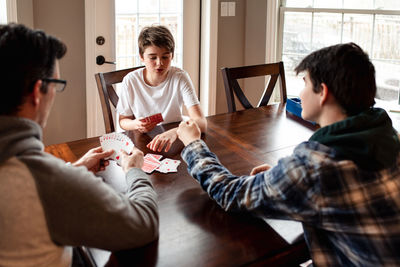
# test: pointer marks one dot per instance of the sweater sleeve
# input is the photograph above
(277, 193)
(81, 209)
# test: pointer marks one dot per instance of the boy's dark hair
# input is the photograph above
(25, 56)
(347, 72)
(156, 35)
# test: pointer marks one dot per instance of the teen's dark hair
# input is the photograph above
(26, 56)
(156, 35)
(347, 72)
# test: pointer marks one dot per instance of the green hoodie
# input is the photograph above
(367, 138)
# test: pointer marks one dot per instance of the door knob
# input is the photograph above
(100, 60)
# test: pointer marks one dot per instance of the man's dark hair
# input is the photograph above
(25, 56)
(158, 36)
(347, 72)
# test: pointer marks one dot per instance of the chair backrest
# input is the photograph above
(105, 84)
(231, 75)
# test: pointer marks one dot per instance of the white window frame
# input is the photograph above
(9, 9)
(373, 12)
(275, 24)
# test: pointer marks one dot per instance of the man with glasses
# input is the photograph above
(46, 205)
(60, 84)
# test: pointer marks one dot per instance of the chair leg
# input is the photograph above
(82, 258)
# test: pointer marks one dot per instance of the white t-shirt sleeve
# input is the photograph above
(125, 97)
(187, 91)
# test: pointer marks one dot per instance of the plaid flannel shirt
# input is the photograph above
(350, 217)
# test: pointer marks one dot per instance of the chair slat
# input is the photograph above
(232, 87)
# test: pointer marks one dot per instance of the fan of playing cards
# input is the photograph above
(116, 141)
(153, 162)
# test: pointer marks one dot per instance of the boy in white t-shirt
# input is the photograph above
(157, 88)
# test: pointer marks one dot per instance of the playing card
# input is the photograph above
(156, 156)
(168, 165)
(151, 158)
(116, 141)
(149, 166)
(155, 118)
(151, 162)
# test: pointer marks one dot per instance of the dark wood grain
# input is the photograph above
(194, 230)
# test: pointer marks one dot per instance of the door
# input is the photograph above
(100, 41)
(100, 20)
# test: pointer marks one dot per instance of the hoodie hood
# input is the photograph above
(17, 136)
(368, 139)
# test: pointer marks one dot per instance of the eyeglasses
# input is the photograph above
(60, 84)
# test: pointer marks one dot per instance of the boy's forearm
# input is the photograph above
(127, 124)
(202, 123)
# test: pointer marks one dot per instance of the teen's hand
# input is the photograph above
(262, 168)
(143, 127)
(165, 139)
(134, 160)
(94, 159)
(188, 132)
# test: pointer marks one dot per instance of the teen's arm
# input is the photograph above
(166, 139)
(274, 192)
(196, 115)
(130, 123)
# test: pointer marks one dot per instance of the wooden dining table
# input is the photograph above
(194, 230)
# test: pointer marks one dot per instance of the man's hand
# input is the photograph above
(93, 160)
(188, 132)
(261, 168)
(165, 139)
(134, 160)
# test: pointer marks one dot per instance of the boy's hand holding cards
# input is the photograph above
(116, 141)
(155, 118)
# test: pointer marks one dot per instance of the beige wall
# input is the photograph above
(231, 44)
(65, 20)
(25, 12)
(241, 41)
(254, 51)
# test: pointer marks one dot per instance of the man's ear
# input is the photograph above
(37, 93)
(324, 93)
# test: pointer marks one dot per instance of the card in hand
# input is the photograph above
(155, 118)
(116, 141)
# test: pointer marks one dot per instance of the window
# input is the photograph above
(373, 24)
(3, 12)
(132, 15)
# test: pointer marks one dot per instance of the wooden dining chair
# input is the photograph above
(232, 87)
(106, 82)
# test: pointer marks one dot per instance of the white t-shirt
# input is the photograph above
(141, 100)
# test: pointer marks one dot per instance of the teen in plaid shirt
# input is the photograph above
(343, 184)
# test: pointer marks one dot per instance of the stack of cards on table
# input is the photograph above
(155, 118)
(153, 162)
(116, 141)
